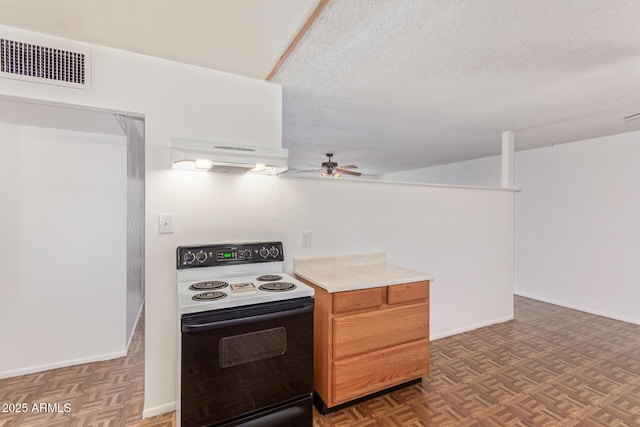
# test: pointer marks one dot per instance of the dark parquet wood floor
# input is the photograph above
(551, 366)
(105, 394)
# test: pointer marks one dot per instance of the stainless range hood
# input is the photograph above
(189, 154)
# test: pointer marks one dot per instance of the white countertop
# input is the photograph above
(351, 272)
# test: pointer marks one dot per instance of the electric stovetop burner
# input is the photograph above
(209, 296)
(208, 285)
(269, 278)
(277, 287)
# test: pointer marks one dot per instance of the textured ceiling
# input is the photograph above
(394, 85)
(244, 37)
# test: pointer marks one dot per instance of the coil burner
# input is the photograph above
(277, 287)
(205, 286)
(269, 278)
(209, 296)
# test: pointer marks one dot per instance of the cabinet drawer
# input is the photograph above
(373, 330)
(361, 299)
(409, 292)
(362, 375)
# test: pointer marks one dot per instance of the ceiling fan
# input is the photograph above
(330, 168)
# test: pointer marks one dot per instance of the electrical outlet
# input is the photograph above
(165, 223)
(305, 239)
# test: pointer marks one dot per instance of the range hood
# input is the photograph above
(211, 156)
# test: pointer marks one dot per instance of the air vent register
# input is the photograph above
(44, 64)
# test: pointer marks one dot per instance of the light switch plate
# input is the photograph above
(305, 239)
(165, 223)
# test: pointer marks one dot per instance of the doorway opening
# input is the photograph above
(72, 253)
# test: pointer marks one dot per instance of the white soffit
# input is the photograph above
(398, 85)
(58, 117)
(245, 37)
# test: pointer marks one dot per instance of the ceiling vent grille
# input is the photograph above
(43, 64)
(230, 147)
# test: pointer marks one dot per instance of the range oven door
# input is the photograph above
(247, 366)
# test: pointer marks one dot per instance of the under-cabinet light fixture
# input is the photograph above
(219, 157)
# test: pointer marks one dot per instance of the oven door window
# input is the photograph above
(251, 347)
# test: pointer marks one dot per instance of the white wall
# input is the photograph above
(62, 266)
(463, 237)
(578, 225)
(576, 218)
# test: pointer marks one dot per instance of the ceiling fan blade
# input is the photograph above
(348, 172)
(349, 167)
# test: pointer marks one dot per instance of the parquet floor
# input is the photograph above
(551, 366)
(105, 394)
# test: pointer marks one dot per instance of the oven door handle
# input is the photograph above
(197, 327)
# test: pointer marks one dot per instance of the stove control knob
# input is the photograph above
(274, 251)
(201, 256)
(264, 252)
(189, 257)
(246, 254)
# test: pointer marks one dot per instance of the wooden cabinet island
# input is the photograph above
(371, 326)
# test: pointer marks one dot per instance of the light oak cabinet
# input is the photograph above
(368, 340)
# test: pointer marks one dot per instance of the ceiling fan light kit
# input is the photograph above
(332, 169)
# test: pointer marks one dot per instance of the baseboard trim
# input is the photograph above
(157, 410)
(133, 331)
(471, 327)
(63, 364)
(578, 307)
(321, 405)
